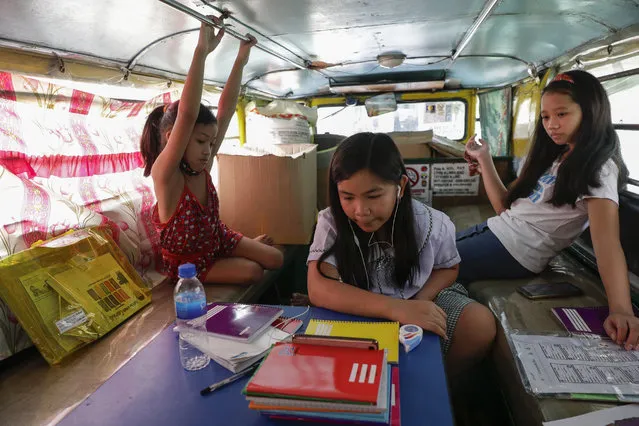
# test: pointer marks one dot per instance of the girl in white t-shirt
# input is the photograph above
(570, 179)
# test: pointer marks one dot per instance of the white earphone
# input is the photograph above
(356, 240)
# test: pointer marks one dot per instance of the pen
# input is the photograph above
(228, 380)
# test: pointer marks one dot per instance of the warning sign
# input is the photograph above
(453, 179)
(419, 181)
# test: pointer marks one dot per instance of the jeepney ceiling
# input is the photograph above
(330, 39)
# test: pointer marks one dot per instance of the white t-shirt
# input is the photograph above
(435, 236)
(534, 231)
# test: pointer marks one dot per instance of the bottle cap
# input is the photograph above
(186, 270)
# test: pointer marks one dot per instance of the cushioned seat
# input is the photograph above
(515, 312)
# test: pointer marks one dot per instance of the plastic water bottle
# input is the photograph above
(190, 303)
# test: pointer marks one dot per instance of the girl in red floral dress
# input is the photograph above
(178, 144)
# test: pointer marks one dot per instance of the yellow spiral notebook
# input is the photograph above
(386, 333)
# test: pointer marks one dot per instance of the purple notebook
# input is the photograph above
(583, 320)
(239, 322)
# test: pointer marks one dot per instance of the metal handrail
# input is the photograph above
(253, 30)
(203, 18)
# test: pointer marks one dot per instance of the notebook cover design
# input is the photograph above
(239, 322)
(287, 325)
(319, 373)
(386, 333)
(584, 320)
(329, 415)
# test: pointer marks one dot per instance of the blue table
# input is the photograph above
(153, 389)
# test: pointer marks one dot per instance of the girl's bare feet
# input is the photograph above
(265, 239)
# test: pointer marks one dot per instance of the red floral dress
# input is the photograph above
(195, 234)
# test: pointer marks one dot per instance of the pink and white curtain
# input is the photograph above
(69, 160)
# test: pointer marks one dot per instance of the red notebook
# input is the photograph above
(395, 414)
(326, 373)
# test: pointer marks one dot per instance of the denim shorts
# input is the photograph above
(484, 257)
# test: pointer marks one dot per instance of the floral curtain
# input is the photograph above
(69, 160)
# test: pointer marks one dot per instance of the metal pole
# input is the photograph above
(255, 31)
(489, 6)
(134, 60)
(202, 18)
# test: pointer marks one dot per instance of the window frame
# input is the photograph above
(630, 197)
(582, 248)
(360, 102)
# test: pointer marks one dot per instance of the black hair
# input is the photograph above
(595, 143)
(377, 153)
(161, 119)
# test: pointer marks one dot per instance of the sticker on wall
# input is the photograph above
(453, 179)
(419, 181)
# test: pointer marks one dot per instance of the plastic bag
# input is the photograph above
(71, 290)
(279, 122)
(575, 366)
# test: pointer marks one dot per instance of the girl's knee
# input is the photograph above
(476, 328)
(473, 338)
(480, 321)
(275, 259)
(253, 272)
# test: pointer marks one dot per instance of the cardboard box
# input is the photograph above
(326, 145)
(270, 191)
(323, 170)
(448, 147)
(413, 145)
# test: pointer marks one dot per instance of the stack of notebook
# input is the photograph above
(326, 383)
(386, 333)
(237, 336)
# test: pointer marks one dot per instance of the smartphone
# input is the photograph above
(347, 342)
(549, 290)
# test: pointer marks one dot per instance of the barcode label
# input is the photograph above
(71, 321)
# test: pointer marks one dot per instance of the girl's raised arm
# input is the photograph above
(166, 165)
(230, 94)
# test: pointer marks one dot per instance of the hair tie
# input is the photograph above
(563, 77)
(166, 106)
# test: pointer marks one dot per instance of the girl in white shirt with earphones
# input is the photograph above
(379, 253)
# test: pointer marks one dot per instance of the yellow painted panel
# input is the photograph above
(39, 65)
(241, 120)
(469, 95)
(527, 106)
(525, 112)
(424, 96)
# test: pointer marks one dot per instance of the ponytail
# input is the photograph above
(158, 123)
(151, 141)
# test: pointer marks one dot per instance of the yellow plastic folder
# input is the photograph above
(386, 333)
(71, 290)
